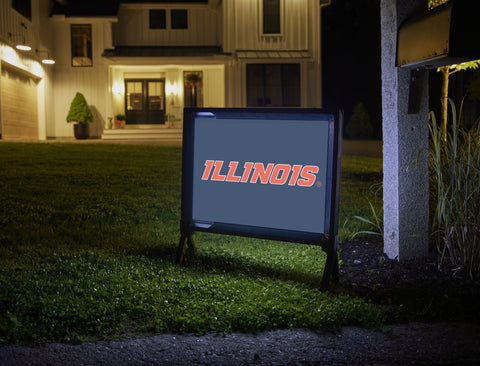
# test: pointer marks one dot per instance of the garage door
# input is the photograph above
(19, 118)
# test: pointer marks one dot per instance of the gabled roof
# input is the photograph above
(92, 8)
(85, 8)
(165, 1)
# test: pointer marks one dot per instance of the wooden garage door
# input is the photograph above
(19, 105)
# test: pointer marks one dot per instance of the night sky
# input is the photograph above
(351, 58)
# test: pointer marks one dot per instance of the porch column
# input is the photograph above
(405, 138)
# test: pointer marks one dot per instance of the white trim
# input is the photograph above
(41, 110)
(158, 6)
(156, 61)
(282, 21)
(274, 56)
(144, 75)
(83, 20)
(1, 121)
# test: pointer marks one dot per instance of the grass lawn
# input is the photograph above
(88, 234)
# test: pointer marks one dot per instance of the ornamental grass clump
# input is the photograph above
(455, 183)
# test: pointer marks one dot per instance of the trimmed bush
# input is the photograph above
(79, 110)
(359, 125)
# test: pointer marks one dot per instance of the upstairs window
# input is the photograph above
(179, 19)
(24, 7)
(271, 17)
(158, 19)
(81, 40)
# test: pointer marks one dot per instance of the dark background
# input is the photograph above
(351, 66)
(351, 58)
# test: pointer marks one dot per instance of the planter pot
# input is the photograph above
(81, 131)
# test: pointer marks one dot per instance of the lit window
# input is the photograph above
(81, 44)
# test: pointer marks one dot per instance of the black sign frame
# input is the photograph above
(328, 240)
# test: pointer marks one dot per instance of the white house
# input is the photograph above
(149, 60)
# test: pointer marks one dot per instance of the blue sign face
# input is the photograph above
(261, 172)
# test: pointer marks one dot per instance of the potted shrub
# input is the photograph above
(193, 81)
(120, 121)
(81, 115)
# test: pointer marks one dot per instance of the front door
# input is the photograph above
(145, 101)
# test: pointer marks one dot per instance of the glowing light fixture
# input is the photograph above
(22, 45)
(172, 88)
(118, 89)
(46, 60)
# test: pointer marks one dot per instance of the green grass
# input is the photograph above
(360, 185)
(88, 234)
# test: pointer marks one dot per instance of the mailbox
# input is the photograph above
(446, 35)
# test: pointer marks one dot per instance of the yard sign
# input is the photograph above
(263, 173)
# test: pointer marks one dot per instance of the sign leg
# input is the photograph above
(185, 241)
(181, 250)
(190, 245)
(331, 272)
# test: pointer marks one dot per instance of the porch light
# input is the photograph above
(172, 88)
(118, 89)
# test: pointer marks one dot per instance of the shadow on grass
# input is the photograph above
(166, 252)
(215, 263)
(240, 265)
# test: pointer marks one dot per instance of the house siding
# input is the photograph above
(93, 85)
(91, 81)
(133, 28)
(231, 25)
(37, 34)
(301, 22)
(245, 33)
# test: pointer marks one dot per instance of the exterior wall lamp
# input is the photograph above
(172, 89)
(45, 60)
(23, 47)
(22, 44)
(118, 89)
